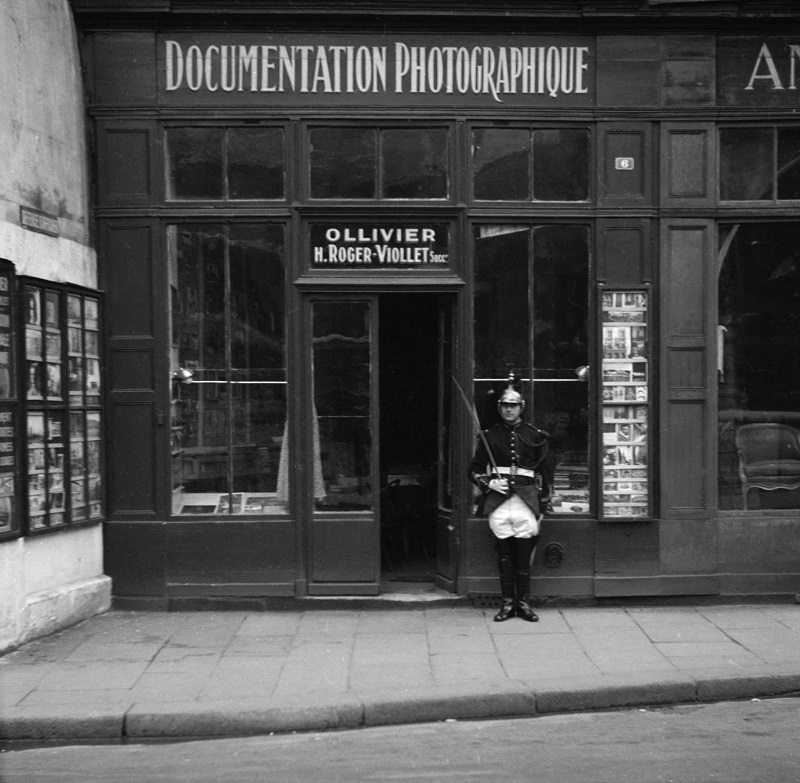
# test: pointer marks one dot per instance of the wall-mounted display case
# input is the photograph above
(62, 405)
(9, 474)
(625, 404)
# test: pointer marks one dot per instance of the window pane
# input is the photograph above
(343, 163)
(759, 368)
(560, 165)
(788, 163)
(560, 345)
(415, 163)
(531, 315)
(341, 361)
(194, 160)
(501, 316)
(745, 168)
(501, 161)
(229, 443)
(255, 163)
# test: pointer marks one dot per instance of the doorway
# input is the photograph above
(409, 465)
(380, 437)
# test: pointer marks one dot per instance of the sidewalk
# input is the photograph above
(153, 675)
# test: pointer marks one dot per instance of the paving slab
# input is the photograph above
(136, 675)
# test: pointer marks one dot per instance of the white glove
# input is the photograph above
(499, 485)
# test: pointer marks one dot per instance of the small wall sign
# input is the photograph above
(34, 220)
(624, 164)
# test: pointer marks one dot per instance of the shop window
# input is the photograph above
(758, 366)
(225, 163)
(531, 307)
(519, 164)
(228, 361)
(759, 164)
(62, 391)
(388, 163)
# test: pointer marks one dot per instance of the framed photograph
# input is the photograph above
(33, 306)
(51, 299)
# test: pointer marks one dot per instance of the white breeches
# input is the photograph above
(514, 518)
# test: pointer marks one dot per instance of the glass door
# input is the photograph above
(344, 536)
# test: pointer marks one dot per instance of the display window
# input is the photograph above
(229, 435)
(531, 316)
(758, 369)
(62, 396)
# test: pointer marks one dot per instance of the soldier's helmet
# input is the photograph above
(510, 394)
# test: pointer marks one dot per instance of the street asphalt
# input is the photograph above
(144, 675)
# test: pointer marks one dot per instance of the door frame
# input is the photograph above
(320, 528)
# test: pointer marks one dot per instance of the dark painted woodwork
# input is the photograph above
(133, 443)
(687, 456)
(344, 550)
(231, 552)
(124, 68)
(625, 187)
(125, 163)
(687, 159)
(628, 549)
(624, 252)
(135, 558)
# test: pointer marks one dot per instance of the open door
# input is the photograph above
(379, 438)
(446, 527)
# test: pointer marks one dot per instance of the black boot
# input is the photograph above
(523, 584)
(507, 611)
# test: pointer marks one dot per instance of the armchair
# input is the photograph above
(769, 457)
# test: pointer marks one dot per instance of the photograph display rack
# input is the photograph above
(625, 406)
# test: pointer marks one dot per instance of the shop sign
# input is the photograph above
(379, 246)
(302, 70)
(756, 71)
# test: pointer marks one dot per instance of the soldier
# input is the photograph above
(507, 468)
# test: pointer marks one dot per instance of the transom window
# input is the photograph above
(225, 163)
(524, 164)
(759, 164)
(379, 163)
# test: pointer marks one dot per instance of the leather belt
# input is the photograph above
(516, 471)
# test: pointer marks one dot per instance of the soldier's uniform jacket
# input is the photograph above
(518, 452)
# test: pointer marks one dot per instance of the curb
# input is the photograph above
(247, 717)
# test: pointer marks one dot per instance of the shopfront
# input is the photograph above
(319, 249)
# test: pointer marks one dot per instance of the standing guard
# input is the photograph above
(507, 468)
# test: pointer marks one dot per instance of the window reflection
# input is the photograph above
(501, 158)
(195, 163)
(531, 315)
(414, 163)
(343, 162)
(517, 164)
(219, 163)
(343, 436)
(560, 165)
(229, 444)
(758, 366)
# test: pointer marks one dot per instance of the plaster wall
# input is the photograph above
(47, 581)
(43, 136)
